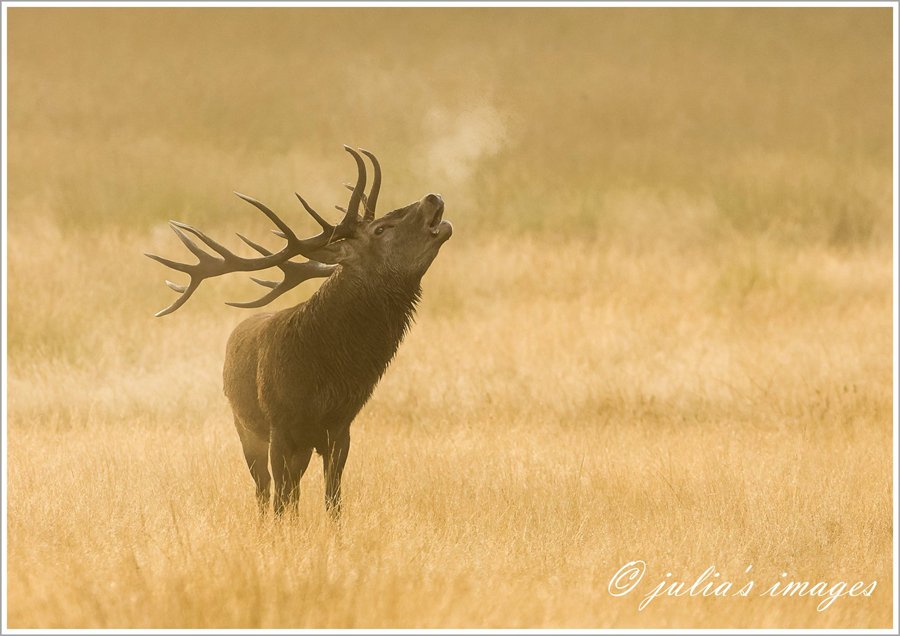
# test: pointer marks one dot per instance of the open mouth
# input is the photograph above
(436, 220)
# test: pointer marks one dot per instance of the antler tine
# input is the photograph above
(328, 227)
(195, 250)
(363, 198)
(372, 200)
(181, 267)
(179, 288)
(352, 216)
(259, 248)
(185, 294)
(294, 274)
(272, 216)
(217, 247)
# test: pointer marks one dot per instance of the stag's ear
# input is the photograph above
(332, 254)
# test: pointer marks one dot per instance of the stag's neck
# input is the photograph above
(357, 322)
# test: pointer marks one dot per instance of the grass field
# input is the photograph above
(662, 329)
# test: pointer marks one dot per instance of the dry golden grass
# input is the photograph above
(661, 331)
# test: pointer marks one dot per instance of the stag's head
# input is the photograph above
(402, 243)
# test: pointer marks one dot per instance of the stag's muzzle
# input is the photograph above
(434, 213)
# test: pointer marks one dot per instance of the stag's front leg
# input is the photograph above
(288, 465)
(333, 462)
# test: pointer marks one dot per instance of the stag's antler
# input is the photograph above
(209, 266)
(294, 274)
(372, 200)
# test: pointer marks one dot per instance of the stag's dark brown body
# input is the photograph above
(297, 378)
(301, 375)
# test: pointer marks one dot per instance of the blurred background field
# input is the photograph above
(661, 330)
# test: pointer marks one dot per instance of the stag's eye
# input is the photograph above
(380, 229)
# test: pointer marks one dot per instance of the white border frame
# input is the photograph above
(4, 629)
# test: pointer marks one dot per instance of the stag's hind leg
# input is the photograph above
(333, 460)
(256, 452)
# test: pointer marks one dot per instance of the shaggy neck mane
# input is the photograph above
(356, 323)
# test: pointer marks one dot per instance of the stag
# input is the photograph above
(297, 378)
